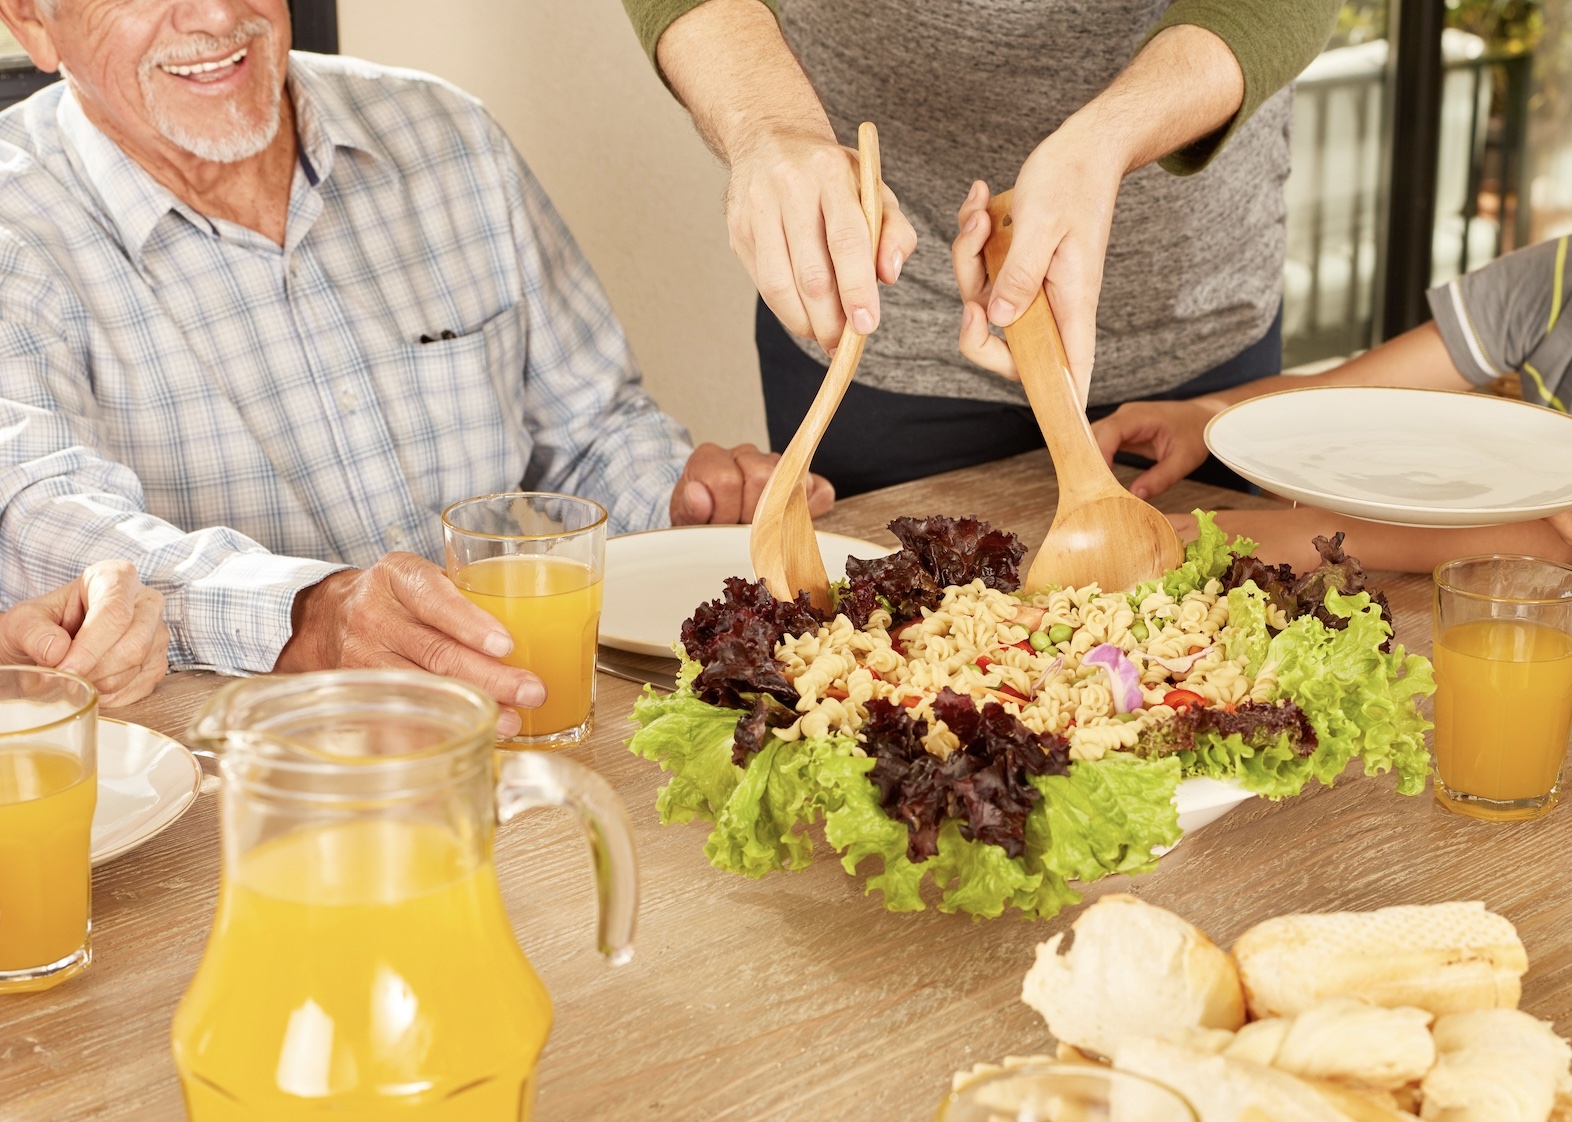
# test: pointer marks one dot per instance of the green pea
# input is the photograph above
(1060, 633)
(1039, 640)
(1127, 717)
(1138, 629)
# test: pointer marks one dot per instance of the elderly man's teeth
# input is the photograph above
(205, 67)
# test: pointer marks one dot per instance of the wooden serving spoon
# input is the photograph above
(782, 545)
(1101, 533)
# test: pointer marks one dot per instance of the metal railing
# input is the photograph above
(1334, 203)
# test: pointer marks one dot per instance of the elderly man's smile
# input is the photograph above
(207, 72)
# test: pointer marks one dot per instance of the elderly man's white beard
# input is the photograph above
(241, 139)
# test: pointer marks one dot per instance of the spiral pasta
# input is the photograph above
(974, 644)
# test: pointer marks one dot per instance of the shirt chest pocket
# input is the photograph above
(455, 411)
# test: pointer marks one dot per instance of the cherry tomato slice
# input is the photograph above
(1183, 699)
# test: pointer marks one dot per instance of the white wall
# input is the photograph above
(624, 166)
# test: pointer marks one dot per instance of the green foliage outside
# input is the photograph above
(1510, 27)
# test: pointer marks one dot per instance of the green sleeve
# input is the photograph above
(1272, 39)
(651, 18)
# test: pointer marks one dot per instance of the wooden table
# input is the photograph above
(794, 997)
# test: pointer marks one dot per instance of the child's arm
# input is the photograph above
(1284, 535)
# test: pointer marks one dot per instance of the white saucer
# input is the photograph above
(1405, 456)
(655, 579)
(146, 780)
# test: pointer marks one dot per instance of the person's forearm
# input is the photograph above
(1183, 85)
(729, 64)
(1284, 535)
(1416, 359)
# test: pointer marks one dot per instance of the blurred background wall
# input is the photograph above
(623, 164)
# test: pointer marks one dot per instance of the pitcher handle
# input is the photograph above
(526, 780)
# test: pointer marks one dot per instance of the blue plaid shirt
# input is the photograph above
(241, 419)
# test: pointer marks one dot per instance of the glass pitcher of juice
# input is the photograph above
(361, 965)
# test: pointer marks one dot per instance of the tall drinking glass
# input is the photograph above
(535, 561)
(1052, 1092)
(1503, 662)
(48, 789)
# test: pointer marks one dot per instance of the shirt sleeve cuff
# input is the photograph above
(1451, 315)
(237, 618)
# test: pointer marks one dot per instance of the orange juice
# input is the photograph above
(46, 881)
(551, 608)
(362, 971)
(1503, 707)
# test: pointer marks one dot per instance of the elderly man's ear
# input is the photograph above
(25, 18)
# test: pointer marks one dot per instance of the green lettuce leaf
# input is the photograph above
(1361, 702)
(1206, 558)
(692, 740)
(1246, 635)
(1107, 815)
(1274, 770)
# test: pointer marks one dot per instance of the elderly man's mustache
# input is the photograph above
(192, 48)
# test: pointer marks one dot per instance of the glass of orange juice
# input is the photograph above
(1503, 664)
(48, 789)
(535, 561)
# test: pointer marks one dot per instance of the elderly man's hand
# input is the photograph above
(404, 613)
(723, 485)
(105, 626)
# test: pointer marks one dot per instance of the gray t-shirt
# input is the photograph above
(966, 89)
(1514, 314)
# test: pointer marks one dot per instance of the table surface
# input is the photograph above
(793, 997)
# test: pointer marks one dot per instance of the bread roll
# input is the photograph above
(1133, 970)
(1444, 958)
(1221, 1089)
(1347, 1039)
(1495, 1065)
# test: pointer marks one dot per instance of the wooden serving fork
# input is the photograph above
(1101, 533)
(782, 545)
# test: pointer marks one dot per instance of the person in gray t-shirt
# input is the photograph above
(1177, 287)
(1512, 315)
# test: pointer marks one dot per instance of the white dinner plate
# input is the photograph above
(655, 579)
(146, 780)
(1406, 456)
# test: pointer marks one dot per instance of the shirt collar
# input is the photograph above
(134, 202)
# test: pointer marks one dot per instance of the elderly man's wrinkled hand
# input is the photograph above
(797, 226)
(404, 613)
(723, 485)
(106, 626)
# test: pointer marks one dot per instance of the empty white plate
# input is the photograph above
(654, 580)
(1405, 456)
(146, 780)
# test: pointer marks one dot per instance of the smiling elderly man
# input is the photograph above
(263, 315)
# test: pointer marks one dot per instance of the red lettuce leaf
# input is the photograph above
(935, 552)
(734, 639)
(983, 784)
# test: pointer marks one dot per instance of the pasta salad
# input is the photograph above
(996, 746)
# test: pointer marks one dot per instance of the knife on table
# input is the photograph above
(658, 672)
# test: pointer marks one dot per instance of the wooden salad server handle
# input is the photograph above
(782, 545)
(1101, 534)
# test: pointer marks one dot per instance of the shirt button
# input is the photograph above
(347, 401)
(395, 536)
